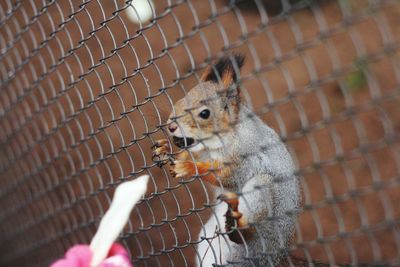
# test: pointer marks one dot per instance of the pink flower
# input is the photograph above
(117, 257)
(81, 256)
(103, 252)
(77, 256)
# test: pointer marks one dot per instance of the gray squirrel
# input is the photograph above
(250, 168)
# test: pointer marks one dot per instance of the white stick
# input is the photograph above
(125, 197)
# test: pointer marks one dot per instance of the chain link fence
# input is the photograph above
(87, 88)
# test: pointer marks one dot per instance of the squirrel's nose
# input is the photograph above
(172, 127)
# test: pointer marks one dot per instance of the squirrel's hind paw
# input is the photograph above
(235, 224)
(230, 198)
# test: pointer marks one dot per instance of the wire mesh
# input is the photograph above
(86, 92)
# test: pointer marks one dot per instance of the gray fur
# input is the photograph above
(270, 195)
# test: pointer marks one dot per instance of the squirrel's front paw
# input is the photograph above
(161, 148)
(181, 168)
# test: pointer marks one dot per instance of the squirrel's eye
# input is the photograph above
(205, 114)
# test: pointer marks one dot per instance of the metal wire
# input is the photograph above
(85, 93)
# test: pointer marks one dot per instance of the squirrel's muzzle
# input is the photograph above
(183, 142)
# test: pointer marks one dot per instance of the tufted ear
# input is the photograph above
(224, 70)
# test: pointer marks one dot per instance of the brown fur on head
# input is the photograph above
(212, 105)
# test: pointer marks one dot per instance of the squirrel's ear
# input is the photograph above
(225, 70)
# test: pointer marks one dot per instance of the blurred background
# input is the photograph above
(86, 87)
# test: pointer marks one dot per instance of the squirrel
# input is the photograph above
(249, 167)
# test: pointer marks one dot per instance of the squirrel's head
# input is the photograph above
(210, 109)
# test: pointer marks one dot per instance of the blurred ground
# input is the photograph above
(326, 78)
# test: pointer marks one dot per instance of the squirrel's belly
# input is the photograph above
(218, 249)
(215, 249)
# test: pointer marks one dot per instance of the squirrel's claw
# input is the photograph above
(180, 168)
(161, 149)
(236, 215)
(230, 198)
(160, 143)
